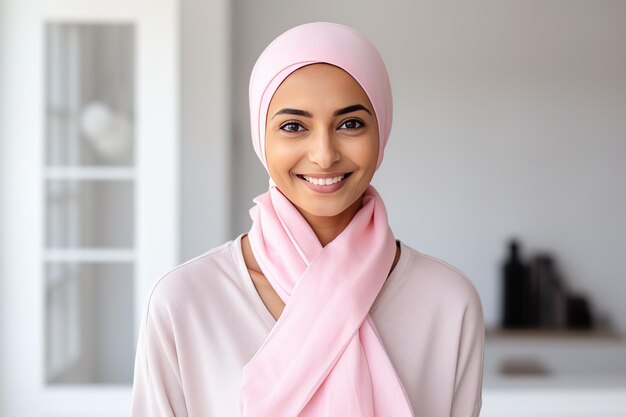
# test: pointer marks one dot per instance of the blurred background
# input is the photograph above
(125, 150)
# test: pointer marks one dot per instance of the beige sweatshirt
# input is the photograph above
(204, 320)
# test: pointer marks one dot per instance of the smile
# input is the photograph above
(324, 185)
(323, 181)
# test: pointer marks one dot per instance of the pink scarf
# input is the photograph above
(323, 357)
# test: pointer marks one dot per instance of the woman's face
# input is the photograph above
(321, 124)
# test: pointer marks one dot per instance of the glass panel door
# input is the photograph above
(89, 202)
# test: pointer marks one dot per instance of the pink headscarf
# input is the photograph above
(323, 357)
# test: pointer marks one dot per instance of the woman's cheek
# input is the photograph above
(282, 157)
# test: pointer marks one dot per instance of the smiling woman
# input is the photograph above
(318, 310)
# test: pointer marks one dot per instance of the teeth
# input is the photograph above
(323, 181)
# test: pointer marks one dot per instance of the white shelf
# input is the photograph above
(553, 335)
(556, 399)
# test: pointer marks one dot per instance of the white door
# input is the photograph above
(88, 196)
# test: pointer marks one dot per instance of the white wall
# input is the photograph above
(3, 312)
(205, 124)
(510, 119)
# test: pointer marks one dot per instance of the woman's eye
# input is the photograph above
(294, 127)
(291, 127)
(353, 124)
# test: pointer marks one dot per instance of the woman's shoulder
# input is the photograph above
(207, 274)
(437, 278)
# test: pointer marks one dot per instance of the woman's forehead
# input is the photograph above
(317, 72)
(319, 85)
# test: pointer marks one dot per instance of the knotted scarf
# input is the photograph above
(324, 356)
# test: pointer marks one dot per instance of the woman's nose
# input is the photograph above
(323, 150)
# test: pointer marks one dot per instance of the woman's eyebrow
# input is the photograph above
(339, 112)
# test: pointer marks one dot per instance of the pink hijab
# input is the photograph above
(324, 356)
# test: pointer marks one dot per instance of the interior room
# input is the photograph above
(125, 150)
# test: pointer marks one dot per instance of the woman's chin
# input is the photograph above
(321, 210)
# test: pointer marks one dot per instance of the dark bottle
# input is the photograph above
(551, 296)
(560, 302)
(515, 289)
(543, 270)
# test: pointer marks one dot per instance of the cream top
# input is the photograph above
(204, 320)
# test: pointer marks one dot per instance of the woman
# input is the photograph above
(318, 310)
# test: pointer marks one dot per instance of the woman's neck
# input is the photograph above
(327, 228)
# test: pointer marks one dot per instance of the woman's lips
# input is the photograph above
(325, 188)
